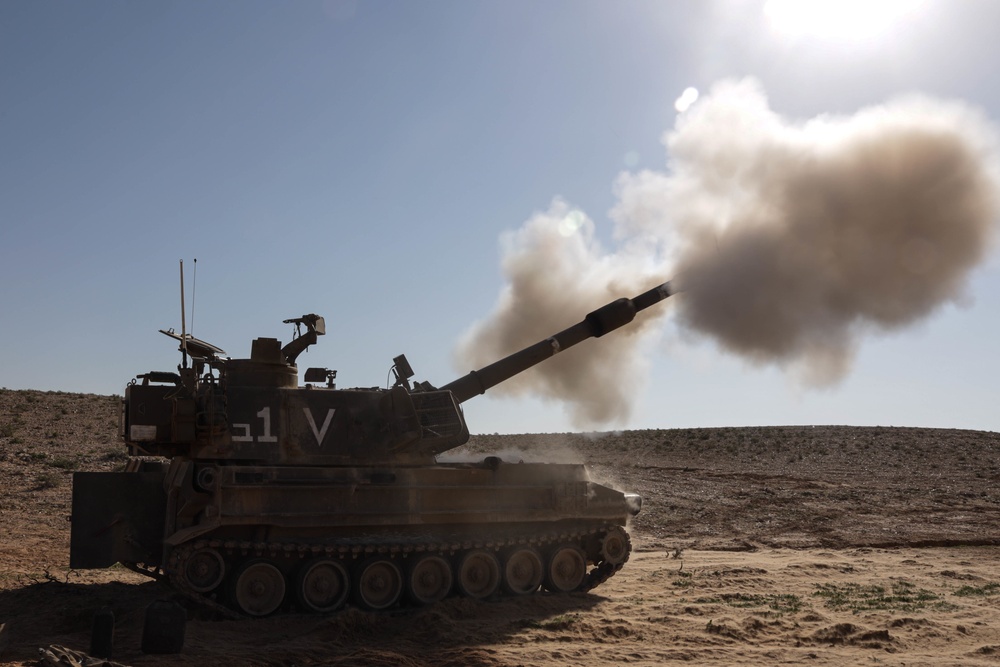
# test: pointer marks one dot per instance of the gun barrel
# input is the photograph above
(604, 320)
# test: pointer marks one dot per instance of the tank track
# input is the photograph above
(353, 551)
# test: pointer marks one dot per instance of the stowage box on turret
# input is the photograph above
(253, 492)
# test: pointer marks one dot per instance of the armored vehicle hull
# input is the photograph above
(256, 495)
(264, 538)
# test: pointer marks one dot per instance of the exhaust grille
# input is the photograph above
(438, 414)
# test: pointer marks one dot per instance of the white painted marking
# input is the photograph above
(319, 433)
(265, 414)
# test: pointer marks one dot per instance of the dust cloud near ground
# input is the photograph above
(826, 545)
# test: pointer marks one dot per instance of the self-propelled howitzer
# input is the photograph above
(256, 494)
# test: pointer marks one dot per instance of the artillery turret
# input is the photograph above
(253, 493)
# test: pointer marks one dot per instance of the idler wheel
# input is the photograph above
(615, 546)
(206, 478)
(429, 579)
(259, 588)
(323, 585)
(379, 584)
(478, 574)
(204, 570)
(566, 570)
(523, 571)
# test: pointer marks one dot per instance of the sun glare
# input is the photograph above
(687, 98)
(839, 20)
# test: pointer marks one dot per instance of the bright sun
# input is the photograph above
(839, 20)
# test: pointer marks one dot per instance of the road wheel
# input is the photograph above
(259, 588)
(566, 570)
(379, 584)
(429, 579)
(523, 571)
(323, 585)
(478, 574)
(204, 570)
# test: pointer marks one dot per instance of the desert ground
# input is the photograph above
(819, 545)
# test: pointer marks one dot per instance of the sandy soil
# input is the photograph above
(784, 545)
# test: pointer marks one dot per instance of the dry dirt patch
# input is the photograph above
(820, 545)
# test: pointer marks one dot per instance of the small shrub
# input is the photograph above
(991, 588)
(902, 596)
(46, 480)
(783, 603)
(64, 463)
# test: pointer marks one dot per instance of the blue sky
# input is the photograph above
(361, 161)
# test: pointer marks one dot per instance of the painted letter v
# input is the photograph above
(319, 433)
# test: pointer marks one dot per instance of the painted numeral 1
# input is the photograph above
(265, 414)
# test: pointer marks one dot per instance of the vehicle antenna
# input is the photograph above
(184, 346)
(194, 288)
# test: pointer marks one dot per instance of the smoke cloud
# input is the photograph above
(791, 241)
(557, 272)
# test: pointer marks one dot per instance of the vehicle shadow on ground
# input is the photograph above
(54, 611)
(452, 632)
